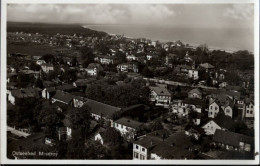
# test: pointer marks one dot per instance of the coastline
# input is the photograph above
(192, 44)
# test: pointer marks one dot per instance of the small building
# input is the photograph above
(161, 96)
(100, 110)
(221, 122)
(93, 69)
(127, 127)
(48, 93)
(206, 66)
(233, 141)
(63, 97)
(25, 93)
(195, 93)
(46, 67)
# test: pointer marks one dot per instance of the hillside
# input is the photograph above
(51, 29)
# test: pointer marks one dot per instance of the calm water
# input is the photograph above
(228, 39)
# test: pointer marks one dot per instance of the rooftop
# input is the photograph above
(128, 122)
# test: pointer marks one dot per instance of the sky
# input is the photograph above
(176, 15)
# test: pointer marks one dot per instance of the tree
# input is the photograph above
(80, 119)
(74, 61)
(70, 75)
(157, 125)
(112, 136)
(147, 72)
(87, 56)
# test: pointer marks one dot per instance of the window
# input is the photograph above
(211, 107)
(252, 106)
(143, 149)
(227, 111)
(135, 155)
(216, 108)
(142, 157)
(136, 146)
(251, 112)
(247, 111)
(122, 126)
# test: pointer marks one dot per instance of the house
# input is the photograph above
(194, 131)
(78, 101)
(48, 93)
(126, 67)
(182, 69)
(161, 96)
(206, 66)
(127, 127)
(63, 97)
(249, 109)
(183, 107)
(153, 147)
(105, 59)
(46, 67)
(221, 122)
(100, 110)
(93, 69)
(195, 93)
(25, 93)
(218, 104)
(193, 74)
(131, 58)
(40, 62)
(233, 141)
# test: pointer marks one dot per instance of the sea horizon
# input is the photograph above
(238, 39)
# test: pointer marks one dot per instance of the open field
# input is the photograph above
(35, 50)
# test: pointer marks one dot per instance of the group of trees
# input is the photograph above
(119, 95)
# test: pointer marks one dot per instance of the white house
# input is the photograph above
(93, 69)
(40, 62)
(127, 127)
(193, 74)
(48, 92)
(249, 110)
(210, 127)
(214, 108)
(161, 96)
(46, 68)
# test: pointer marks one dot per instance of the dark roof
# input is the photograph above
(48, 83)
(128, 122)
(137, 106)
(207, 66)
(51, 89)
(59, 104)
(148, 141)
(198, 91)
(101, 108)
(25, 93)
(81, 82)
(174, 147)
(231, 138)
(192, 101)
(160, 91)
(66, 87)
(224, 121)
(63, 96)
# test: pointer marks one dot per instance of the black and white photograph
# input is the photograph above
(130, 81)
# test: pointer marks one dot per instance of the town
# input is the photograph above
(85, 94)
